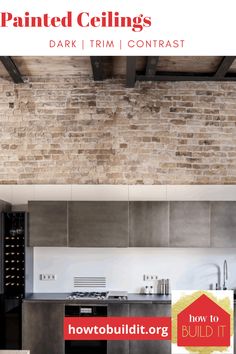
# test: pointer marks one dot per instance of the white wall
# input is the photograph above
(21, 194)
(124, 268)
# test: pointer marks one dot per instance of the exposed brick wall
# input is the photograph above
(72, 130)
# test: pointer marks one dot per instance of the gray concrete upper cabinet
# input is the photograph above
(223, 224)
(148, 224)
(4, 206)
(98, 224)
(48, 224)
(134, 224)
(190, 224)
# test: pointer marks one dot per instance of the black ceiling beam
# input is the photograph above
(131, 71)
(174, 76)
(98, 68)
(151, 65)
(224, 67)
(12, 69)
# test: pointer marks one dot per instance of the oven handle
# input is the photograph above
(86, 311)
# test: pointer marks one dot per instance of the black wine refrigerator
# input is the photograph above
(16, 281)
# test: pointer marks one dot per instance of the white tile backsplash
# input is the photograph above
(124, 267)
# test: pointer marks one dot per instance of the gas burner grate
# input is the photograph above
(100, 295)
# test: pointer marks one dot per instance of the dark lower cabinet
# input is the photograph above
(149, 346)
(42, 327)
(139, 346)
(2, 326)
(118, 346)
(234, 328)
(11, 324)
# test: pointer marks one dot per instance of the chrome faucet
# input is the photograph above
(225, 270)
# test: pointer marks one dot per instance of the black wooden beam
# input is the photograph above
(151, 66)
(224, 67)
(131, 71)
(175, 76)
(98, 68)
(12, 69)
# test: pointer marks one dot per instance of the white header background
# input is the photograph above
(206, 26)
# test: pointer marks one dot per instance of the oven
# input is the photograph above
(85, 346)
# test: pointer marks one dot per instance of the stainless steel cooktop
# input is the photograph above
(87, 295)
(98, 295)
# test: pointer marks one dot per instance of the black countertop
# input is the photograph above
(132, 298)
